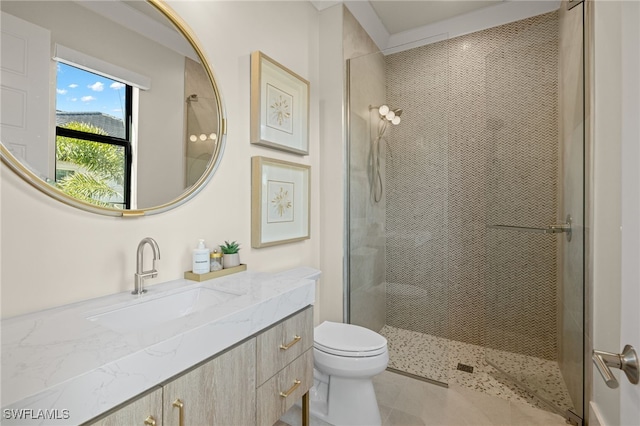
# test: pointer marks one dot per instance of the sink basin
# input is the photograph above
(149, 313)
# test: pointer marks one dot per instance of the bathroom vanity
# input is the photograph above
(233, 350)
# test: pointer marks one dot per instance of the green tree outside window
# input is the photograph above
(99, 168)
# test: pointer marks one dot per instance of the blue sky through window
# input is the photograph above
(82, 91)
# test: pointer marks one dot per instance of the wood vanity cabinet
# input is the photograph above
(146, 410)
(253, 383)
(222, 391)
(219, 392)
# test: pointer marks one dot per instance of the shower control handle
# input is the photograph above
(627, 361)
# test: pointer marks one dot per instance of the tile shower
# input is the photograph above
(479, 144)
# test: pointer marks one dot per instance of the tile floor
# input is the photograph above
(407, 401)
(437, 358)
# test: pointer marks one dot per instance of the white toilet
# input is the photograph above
(346, 357)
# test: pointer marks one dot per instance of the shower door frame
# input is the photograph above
(584, 224)
(587, 164)
(346, 298)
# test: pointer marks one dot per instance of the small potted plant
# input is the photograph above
(230, 254)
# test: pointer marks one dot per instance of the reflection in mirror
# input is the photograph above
(108, 102)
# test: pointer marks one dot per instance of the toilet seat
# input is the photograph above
(348, 340)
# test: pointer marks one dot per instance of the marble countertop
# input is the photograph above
(57, 363)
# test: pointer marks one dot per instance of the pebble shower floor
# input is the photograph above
(437, 359)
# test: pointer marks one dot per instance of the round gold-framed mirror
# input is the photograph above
(108, 106)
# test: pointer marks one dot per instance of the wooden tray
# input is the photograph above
(216, 274)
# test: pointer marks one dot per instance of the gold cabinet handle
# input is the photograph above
(180, 405)
(296, 383)
(150, 421)
(295, 340)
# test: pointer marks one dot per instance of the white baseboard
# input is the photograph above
(595, 418)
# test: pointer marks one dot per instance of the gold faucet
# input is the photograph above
(140, 275)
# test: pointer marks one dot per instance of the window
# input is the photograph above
(93, 137)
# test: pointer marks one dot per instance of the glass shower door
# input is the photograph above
(397, 212)
(367, 255)
(535, 213)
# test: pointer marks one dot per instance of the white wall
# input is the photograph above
(630, 194)
(606, 224)
(53, 254)
(332, 152)
(616, 40)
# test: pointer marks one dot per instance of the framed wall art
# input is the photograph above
(279, 106)
(279, 202)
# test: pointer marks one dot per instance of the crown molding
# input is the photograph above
(477, 20)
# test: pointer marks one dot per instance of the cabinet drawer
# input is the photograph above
(283, 343)
(147, 409)
(280, 392)
(219, 392)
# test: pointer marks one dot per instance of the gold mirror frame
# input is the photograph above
(35, 181)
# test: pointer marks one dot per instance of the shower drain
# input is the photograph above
(465, 368)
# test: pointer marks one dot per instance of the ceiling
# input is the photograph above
(144, 19)
(402, 15)
(396, 25)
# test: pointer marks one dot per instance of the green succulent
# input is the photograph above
(230, 248)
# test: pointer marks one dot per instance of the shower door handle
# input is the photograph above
(558, 229)
(551, 229)
(627, 361)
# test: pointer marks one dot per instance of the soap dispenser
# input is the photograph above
(201, 261)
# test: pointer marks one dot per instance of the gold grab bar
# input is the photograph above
(180, 405)
(295, 340)
(296, 383)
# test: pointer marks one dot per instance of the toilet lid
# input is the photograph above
(348, 340)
